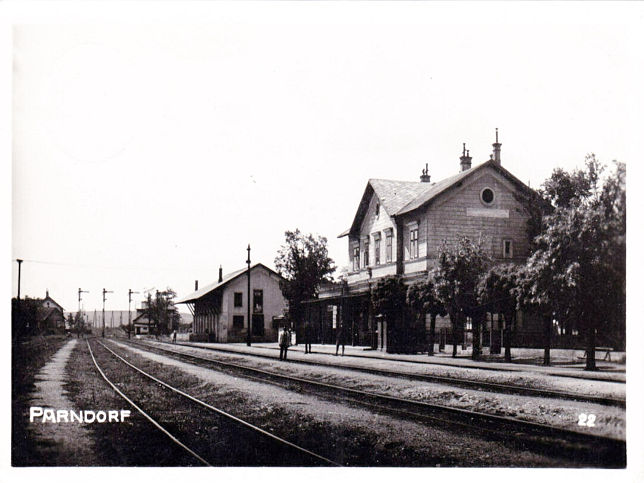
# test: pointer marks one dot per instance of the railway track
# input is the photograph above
(591, 449)
(449, 381)
(274, 449)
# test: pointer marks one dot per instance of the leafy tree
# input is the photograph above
(497, 291)
(459, 268)
(565, 190)
(389, 299)
(304, 263)
(579, 271)
(24, 316)
(161, 310)
(423, 299)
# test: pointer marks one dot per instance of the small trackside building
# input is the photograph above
(51, 315)
(220, 310)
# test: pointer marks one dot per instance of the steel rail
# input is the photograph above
(145, 415)
(505, 426)
(220, 412)
(455, 382)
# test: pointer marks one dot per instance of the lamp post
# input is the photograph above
(129, 315)
(104, 292)
(248, 302)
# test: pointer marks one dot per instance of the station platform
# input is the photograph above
(567, 363)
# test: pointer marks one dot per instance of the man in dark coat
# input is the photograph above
(339, 339)
(284, 342)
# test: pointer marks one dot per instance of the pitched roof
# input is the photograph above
(400, 197)
(52, 300)
(229, 277)
(393, 195)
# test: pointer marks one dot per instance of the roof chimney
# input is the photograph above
(497, 148)
(466, 160)
(196, 285)
(47, 293)
(424, 178)
(221, 275)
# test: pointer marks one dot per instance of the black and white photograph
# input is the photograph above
(306, 235)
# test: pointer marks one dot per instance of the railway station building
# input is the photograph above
(220, 309)
(398, 228)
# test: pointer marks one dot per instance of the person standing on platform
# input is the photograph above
(339, 339)
(174, 336)
(284, 341)
(307, 338)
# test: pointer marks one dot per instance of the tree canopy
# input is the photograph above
(579, 270)
(460, 266)
(304, 263)
(161, 310)
(422, 298)
(497, 293)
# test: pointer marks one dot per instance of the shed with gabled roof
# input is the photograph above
(220, 309)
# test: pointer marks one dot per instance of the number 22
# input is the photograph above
(587, 420)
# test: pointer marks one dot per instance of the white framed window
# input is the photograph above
(365, 257)
(389, 247)
(376, 251)
(507, 249)
(413, 243)
(356, 258)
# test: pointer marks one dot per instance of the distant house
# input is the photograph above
(220, 310)
(142, 324)
(51, 315)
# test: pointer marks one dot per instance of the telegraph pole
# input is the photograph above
(79, 310)
(19, 265)
(129, 315)
(104, 292)
(248, 302)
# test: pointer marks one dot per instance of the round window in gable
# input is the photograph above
(487, 196)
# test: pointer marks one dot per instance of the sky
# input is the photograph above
(149, 149)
